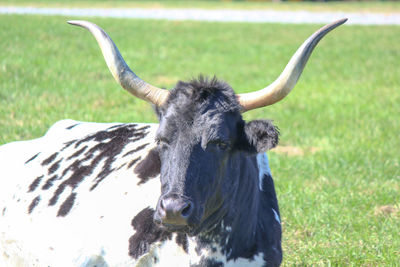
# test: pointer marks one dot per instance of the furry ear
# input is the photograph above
(260, 135)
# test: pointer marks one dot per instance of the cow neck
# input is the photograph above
(236, 234)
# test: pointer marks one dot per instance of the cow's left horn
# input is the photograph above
(120, 70)
(282, 86)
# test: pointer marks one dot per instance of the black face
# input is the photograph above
(201, 139)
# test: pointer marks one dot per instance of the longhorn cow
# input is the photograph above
(193, 190)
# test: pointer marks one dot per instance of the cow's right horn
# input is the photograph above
(282, 86)
(120, 70)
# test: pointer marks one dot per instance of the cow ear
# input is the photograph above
(260, 136)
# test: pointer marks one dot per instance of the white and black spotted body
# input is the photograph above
(68, 198)
(88, 194)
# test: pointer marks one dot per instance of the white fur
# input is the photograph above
(98, 227)
(276, 216)
(96, 231)
(263, 167)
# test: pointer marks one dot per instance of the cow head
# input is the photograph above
(202, 137)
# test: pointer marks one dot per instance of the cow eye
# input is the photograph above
(222, 145)
(161, 142)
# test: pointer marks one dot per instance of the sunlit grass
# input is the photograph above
(339, 196)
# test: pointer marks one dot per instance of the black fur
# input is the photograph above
(77, 153)
(72, 126)
(147, 232)
(193, 122)
(149, 167)
(50, 159)
(33, 204)
(261, 135)
(67, 205)
(182, 240)
(208, 155)
(198, 94)
(54, 167)
(205, 262)
(133, 162)
(49, 182)
(35, 184)
(32, 158)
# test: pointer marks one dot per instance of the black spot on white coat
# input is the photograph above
(49, 182)
(33, 204)
(54, 167)
(72, 126)
(205, 262)
(77, 153)
(147, 233)
(102, 147)
(67, 205)
(149, 167)
(50, 159)
(32, 158)
(35, 184)
(133, 162)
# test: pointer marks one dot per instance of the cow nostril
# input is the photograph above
(187, 210)
(174, 210)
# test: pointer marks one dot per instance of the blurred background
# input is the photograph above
(336, 169)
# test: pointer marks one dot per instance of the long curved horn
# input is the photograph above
(120, 70)
(282, 86)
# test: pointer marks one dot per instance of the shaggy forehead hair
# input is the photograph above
(199, 95)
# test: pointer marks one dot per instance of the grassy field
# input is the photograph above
(337, 172)
(356, 6)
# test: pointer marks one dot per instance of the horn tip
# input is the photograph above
(341, 21)
(77, 22)
(72, 22)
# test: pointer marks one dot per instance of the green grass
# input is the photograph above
(339, 199)
(354, 6)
